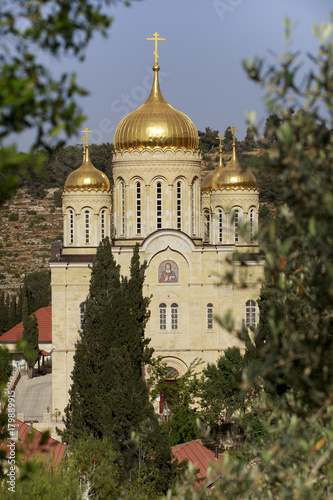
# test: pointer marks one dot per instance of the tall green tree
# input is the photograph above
(221, 396)
(30, 336)
(180, 395)
(109, 397)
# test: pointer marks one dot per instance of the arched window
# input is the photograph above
(87, 226)
(122, 208)
(162, 308)
(159, 205)
(193, 207)
(179, 205)
(170, 372)
(236, 225)
(103, 217)
(82, 313)
(71, 226)
(174, 316)
(206, 226)
(220, 225)
(250, 313)
(210, 314)
(138, 208)
(252, 224)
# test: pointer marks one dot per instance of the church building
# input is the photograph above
(188, 230)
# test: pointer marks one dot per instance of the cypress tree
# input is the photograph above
(108, 397)
(30, 335)
(13, 312)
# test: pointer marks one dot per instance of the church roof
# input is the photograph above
(87, 177)
(156, 124)
(196, 453)
(232, 176)
(34, 444)
(44, 320)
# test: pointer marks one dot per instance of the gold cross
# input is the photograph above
(233, 130)
(221, 139)
(84, 142)
(86, 131)
(156, 35)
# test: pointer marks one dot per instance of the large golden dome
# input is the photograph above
(87, 177)
(156, 124)
(232, 176)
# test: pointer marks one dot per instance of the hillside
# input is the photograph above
(25, 241)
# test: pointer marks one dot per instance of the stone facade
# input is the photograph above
(187, 237)
(199, 288)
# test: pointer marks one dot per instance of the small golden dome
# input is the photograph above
(87, 176)
(156, 124)
(232, 176)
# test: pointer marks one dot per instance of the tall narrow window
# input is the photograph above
(122, 208)
(206, 226)
(87, 226)
(220, 226)
(103, 217)
(159, 205)
(210, 313)
(250, 313)
(193, 207)
(82, 313)
(179, 205)
(162, 308)
(236, 226)
(251, 225)
(71, 226)
(138, 208)
(174, 316)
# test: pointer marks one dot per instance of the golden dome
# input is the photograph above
(87, 176)
(232, 176)
(156, 124)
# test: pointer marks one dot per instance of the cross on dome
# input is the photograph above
(156, 39)
(86, 138)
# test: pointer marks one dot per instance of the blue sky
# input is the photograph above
(201, 59)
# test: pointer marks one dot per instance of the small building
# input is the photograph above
(32, 444)
(14, 335)
(201, 457)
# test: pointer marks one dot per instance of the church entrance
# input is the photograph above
(170, 375)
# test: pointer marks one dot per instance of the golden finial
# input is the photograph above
(221, 139)
(233, 130)
(156, 35)
(86, 131)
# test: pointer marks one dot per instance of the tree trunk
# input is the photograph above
(30, 371)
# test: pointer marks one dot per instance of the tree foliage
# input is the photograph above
(108, 397)
(221, 393)
(30, 336)
(31, 97)
(291, 356)
(180, 396)
(208, 139)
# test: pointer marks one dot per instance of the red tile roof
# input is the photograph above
(32, 445)
(44, 320)
(198, 455)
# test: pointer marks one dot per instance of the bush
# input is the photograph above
(13, 217)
